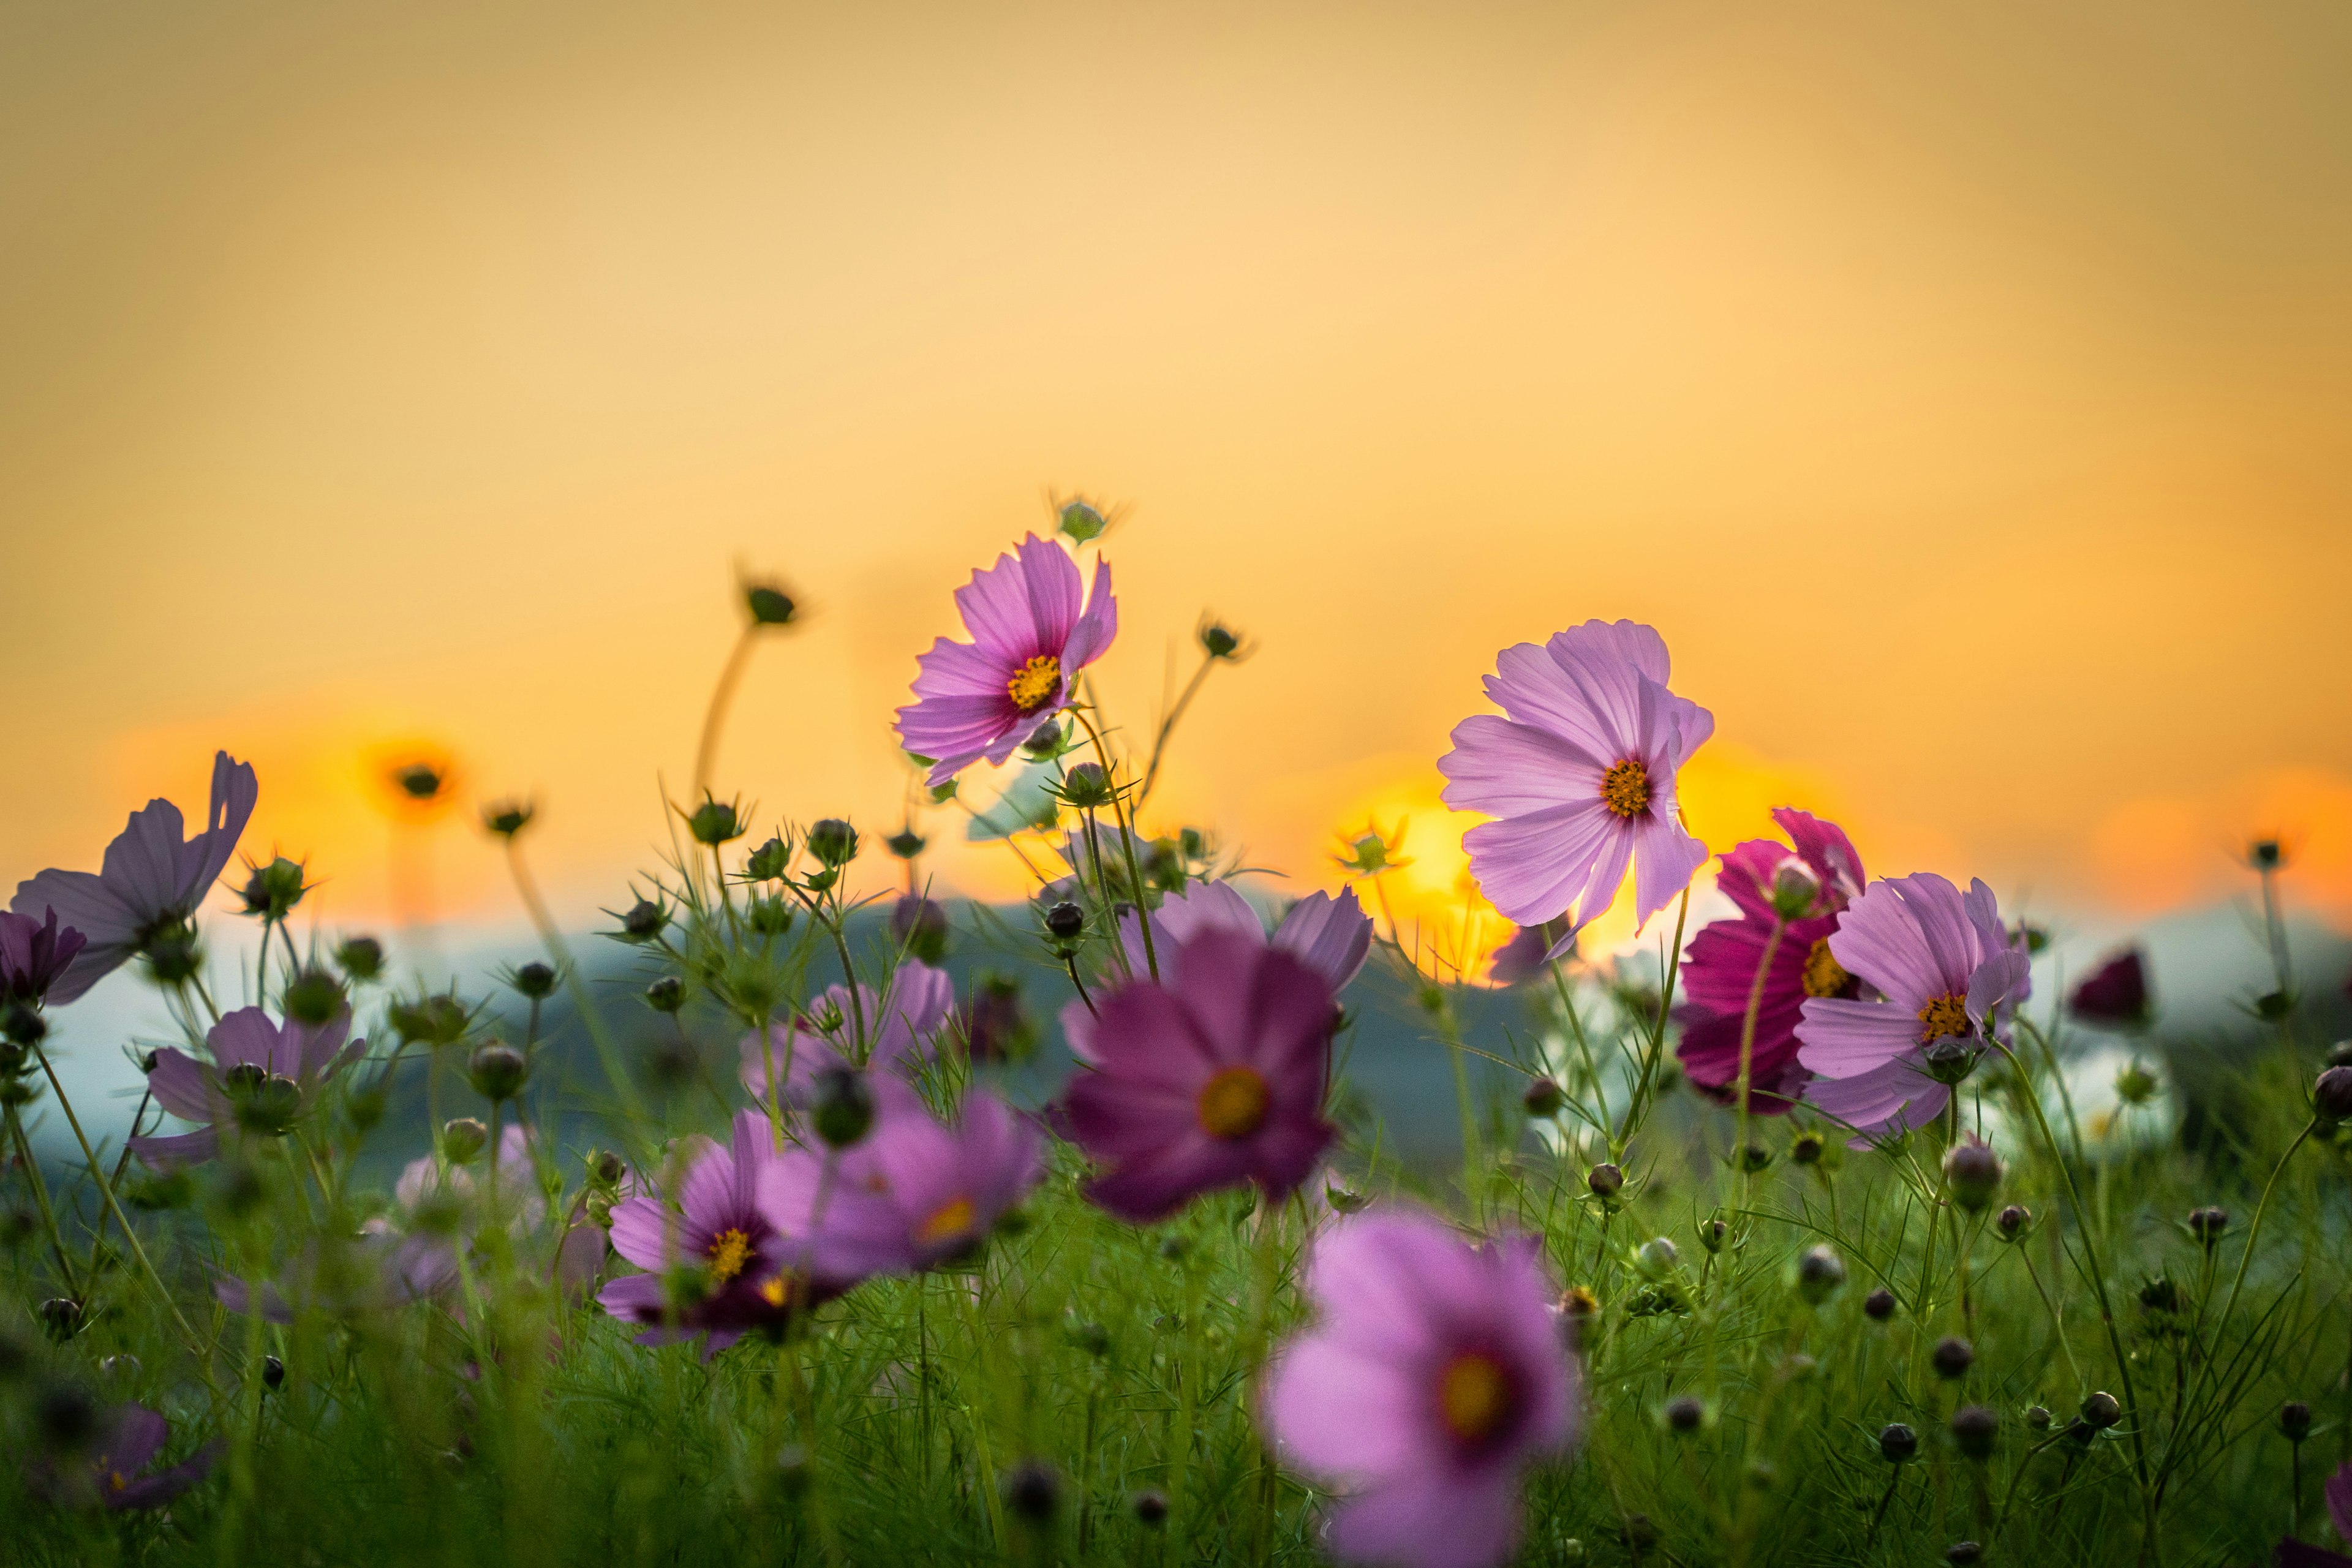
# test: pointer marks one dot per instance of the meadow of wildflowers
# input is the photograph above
(1798, 1239)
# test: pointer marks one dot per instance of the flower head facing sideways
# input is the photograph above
(1435, 1371)
(1034, 627)
(151, 878)
(900, 1026)
(1942, 964)
(33, 955)
(1205, 1079)
(263, 1077)
(1579, 772)
(108, 1476)
(1719, 975)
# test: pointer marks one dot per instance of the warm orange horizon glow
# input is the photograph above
(1962, 396)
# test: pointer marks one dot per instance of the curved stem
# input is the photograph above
(607, 1051)
(706, 755)
(1747, 1043)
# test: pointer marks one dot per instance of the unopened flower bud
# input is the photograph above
(1974, 1173)
(1685, 1412)
(1974, 1430)
(174, 954)
(769, 916)
(768, 862)
(1963, 1554)
(1949, 1060)
(906, 844)
(1806, 1148)
(2101, 1410)
(273, 1371)
(1344, 1201)
(2208, 1223)
(666, 995)
(1080, 519)
(273, 890)
(1897, 1443)
(61, 1316)
(845, 1106)
(2332, 1095)
(1542, 1098)
(715, 821)
(834, 842)
(1150, 1508)
(498, 1071)
(313, 996)
(1065, 920)
(360, 958)
(1752, 1158)
(1952, 1357)
(769, 604)
(1820, 1272)
(1219, 641)
(643, 922)
(1796, 891)
(2294, 1421)
(1605, 1180)
(2134, 1085)
(2012, 1222)
(2267, 854)
(505, 818)
(1032, 1491)
(1087, 786)
(1656, 1257)
(1712, 1233)
(535, 981)
(462, 1138)
(268, 1105)
(23, 1026)
(605, 1169)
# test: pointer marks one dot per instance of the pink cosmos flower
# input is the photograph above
(109, 1476)
(2292, 1554)
(1435, 1373)
(150, 879)
(900, 1025)
(34, 954)
(1033, 629)
(1941, 964)
(263, 1077)
(1204, 1081)
(1581, 773)
(1330, 936)
(1719, 973)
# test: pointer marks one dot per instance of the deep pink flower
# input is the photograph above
(1330, 936)
(108, 1478)
(2292, 1554)
(1941, 964)
(1581, 773)
(33, 954)
(264, 1076)
(1204, 1080)
(150, 879)
(1435, 1373)
(2114, 995)
(1033, 629)
(1719, 975)
(727, 1224)
(901, 1027)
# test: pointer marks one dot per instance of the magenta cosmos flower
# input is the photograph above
(1033, 629)
(726, 1227)
(1207, 1079)
(33, 953)
(1581, 774)
(109, 1476)
(1435, 1373)
(2114, 995)
(1942, 965)
(912, 1193)
(1330, 936)
(901, 1025)
(2292, 1554)
(151, 879)
(1819, 877)
(263, 1077)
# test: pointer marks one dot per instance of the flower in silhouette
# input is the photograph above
(1942, 964)
(1435, 1373)
(1720, 975)
(1034, 627)
(33, 953)
(264, 1076)
(2114, 995)
(1209, 1078)
(108, 1476)
(1581, 771)
(900, 1024)
(151, 879)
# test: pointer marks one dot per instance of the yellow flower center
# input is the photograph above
(773, 1292)
(1232, 1104)
(1035, 683)
(730, 1250)
(950, 1220)
(1474, 1394)
(1824, 975)
(118, 1481)
(1945, 1014)
(1625, 788)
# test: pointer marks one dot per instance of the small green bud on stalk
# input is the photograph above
(2332, 1095)
(2294, 1421)
(1605, 1180)
(360, 958)
(768, 861)
(1974, 1429)
(274, 889)
(1821, 1273)
(834, 842)
(505, 818)
(1952, 1357)
(1897, 1443)
(1542, 1098)
(313, 997)
(1684, 1414)
(534, 981)
(1656, 1257)
(1973, 1173)
(462, 1138)
(2101, 1410)
(845, 1107)
(666, 995)
(498, 1071)
(715, 821)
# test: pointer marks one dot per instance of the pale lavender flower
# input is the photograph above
(264, 1076)
(902, 1025)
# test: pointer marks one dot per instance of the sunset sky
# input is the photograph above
(1965, 393)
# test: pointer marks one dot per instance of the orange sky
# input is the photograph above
(1964, 393)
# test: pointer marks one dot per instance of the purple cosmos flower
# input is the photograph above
(109, 1477)
(1523, 958)
(1435, 1373)
(912, 1193)
(33, 954)
(1330, 936)
(438, 1207)
(1206, 1080)
(150, 879)
(725, 1226)
(900, 1024)
(1581, 771)
(264, 1076)
(2292, 1554)
(2114, 995)
(1719, 975)
(1032, 633)
(1942, 965)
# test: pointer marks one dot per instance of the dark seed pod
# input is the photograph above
(1032, 1491)
(1975, 1428)
(1879, 1305)
(2101, 1410)
(1897, 1443)
(1952, 1357)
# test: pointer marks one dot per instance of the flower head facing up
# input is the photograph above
(1211, 1077)
(152, 877)
(900, 1026)
(724, 1239)
(33, 955)
(1581, 773)
(1034, 627)
(264, 1076)
(1720, 973)
(107, 1476)
(1942, 964)
(1434, 1373)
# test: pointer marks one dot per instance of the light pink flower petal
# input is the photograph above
(1879, 940)
(1341, 1415)
(1665, 859)
(1839, 1038)
(1887, 1099)
(1430, 1520)
(1533, 868)
(1092, 637)
(1506, 769)
(181, 1087)
(1331, 936)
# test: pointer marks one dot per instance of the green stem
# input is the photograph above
(41, 1200)
(706, 755)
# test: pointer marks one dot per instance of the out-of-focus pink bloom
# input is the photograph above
(263, 1077)
(900, 1025)
(1435, 1373)
(1034, 628)
(151, 878)
(2291, 1554)
(1581, 773)
(1525, 957)
(2114, 995)
(109, 1478)
(1207, 1081)
(1719, 975)
(1941, 964)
